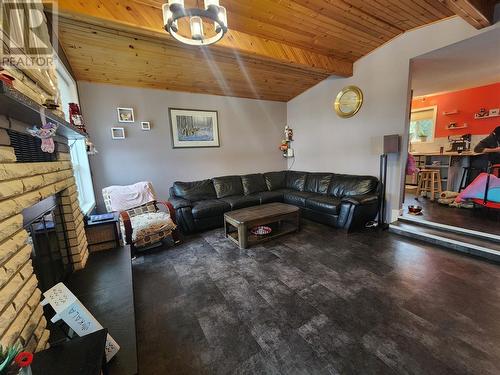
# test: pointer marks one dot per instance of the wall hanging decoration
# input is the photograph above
(484, 113)
(46, 134)
(125, 114)
(146, 125)
(285, 145)
(194, 128)
(76, 118)
(348, 101)
(288, 133)
(91, 149)
(118, 133)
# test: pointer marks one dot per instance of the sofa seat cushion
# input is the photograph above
(241, 201)
(150, 224)
(325, 204)
(214, 207)
(297, 198)
(253, 183)
(269, 196)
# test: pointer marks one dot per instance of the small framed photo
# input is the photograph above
(118, 133)
(125, 115)
(146, 125)
(494, 112)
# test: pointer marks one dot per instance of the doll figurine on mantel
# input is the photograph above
(45, 133)
(76, 118)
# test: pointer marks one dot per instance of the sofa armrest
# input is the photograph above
(183, 215)
(357, 210)
(361, 200)
(178, 203)
(125, 218)
(171, 210)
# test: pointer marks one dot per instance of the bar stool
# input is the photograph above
(430, 182)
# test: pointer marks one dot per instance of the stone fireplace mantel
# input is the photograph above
(21, 186)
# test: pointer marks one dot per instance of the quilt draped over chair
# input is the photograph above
(141, 220)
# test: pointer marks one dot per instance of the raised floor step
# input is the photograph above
(479, 245)
(449, 228)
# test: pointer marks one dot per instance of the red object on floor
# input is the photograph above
(485, 202)
(24, 359)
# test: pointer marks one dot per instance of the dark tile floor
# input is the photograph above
(316, 302)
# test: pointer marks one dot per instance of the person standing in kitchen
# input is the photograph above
(490, 146)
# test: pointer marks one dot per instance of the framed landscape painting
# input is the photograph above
(193, 128)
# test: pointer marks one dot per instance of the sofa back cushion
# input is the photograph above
(253, 183)
(318, 182)
(228, 186)
(296, 180)
(275, 180)
(344, 185)
(194, 191)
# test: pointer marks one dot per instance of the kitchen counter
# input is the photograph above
(465, 153)
(450, 164)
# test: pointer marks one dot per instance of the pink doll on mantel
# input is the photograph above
(45, 133)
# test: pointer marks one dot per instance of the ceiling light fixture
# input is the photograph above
(174, 10)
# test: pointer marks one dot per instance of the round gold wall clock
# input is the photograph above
(348, 101)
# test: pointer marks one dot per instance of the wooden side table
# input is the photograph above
(104, 234)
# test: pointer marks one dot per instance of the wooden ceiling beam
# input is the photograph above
(478, 13)
(145, 20)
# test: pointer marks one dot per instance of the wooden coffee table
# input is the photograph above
(282, 218)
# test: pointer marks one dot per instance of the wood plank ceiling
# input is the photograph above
(275, 49)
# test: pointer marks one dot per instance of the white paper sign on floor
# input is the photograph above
(75, 315)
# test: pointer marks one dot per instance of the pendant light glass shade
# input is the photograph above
(196, 27)
(167, 13)
(168, 16)
(209, 3)
(222, 15)
(176, 2)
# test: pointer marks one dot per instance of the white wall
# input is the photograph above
(325, 142)
(250, 132)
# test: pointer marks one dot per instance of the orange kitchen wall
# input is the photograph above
(467, 102)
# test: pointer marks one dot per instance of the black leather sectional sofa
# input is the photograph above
(343, 201)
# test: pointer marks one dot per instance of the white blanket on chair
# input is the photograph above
(130, 196)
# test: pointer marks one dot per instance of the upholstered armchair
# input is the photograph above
(143, 224)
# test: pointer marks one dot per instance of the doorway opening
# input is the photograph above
(451, 176)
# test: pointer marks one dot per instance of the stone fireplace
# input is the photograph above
(23, 185)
